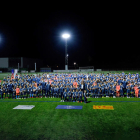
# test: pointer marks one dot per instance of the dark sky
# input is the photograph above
(100, 38)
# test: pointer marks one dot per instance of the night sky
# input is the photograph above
(102, 39)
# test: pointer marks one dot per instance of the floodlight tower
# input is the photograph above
(66, 36)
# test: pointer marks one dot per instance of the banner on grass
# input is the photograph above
(103, 107)
(24, 107)
(68, 107)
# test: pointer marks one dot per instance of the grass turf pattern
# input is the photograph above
(46, 122)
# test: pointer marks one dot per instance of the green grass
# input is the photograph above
(46, 122)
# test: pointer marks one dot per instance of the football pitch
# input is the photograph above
(44, 122)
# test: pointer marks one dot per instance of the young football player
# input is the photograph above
(10, 89)
(106, 89)
(28, 91)
(43, 87)
(128, 90)
(102, 90)
(73, 95)
(21, 92)
(99, 91)
(88, 89)
(34, 91)
(65, 95)
(48, 86)
(132, 90)
(31, 91)
(121, 90)
(91, 90)
(52, 91)
(85, 98)
(61, 92)
(17, 92)
(76, 95)
(57, 91)
(70, 95)
(39, 90)
(114, 91)
(95, 90)
(25, 92)
(1, 93)
(136, 91)
(80, 95)
(14, 92)
(117, 90)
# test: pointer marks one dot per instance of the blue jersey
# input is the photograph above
(21, 90)
(128, 87)
(76, 93)
(102, 87)
(65, 94)
(132, 87)
(48, 86)
(73, 93)
(69, 93)
(121, 87)
(61, 89)
(52, 90)
(10, 86)
(80, 93)
(99, 89)
(43, 85)
(34, 89)
(22, 84)
(106, 87)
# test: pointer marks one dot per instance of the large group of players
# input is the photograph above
(71, 87)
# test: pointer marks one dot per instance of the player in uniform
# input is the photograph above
(80, 95)
(132, 90)
(61, 93)
(136, 91)
(17, 92)
(85, 98)
(121, 90)
(1, 92)
(70, 95)
(65, 95)
(73, 95)
(76, 95)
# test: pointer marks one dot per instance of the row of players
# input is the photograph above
(54, 91)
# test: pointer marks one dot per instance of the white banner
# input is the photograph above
(24, 107)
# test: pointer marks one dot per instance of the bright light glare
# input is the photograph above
(0, 38)
(65, 35)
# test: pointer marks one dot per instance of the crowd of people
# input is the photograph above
(71, 87)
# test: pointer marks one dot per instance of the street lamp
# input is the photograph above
(66, 36)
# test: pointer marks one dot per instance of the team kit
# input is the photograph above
(71, 87)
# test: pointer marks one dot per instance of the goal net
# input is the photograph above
(86, 69)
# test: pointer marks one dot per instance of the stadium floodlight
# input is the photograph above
(0, 39)
(66, 36)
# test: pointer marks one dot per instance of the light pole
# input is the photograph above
(66, 36)
(35, 67)
(75, 64)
